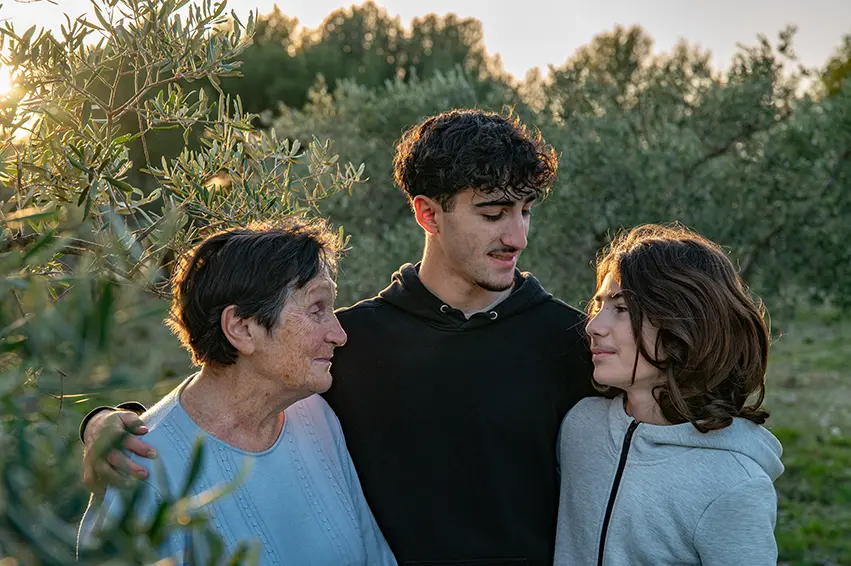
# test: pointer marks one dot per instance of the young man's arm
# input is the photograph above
(104, 464)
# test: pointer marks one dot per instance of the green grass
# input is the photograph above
(809, 393)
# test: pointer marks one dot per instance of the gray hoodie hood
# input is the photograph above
(652, 443)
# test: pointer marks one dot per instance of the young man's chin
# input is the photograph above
(497, 286)
(489, 277)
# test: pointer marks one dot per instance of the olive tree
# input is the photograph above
(85, 248)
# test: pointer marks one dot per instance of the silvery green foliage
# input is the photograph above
(75, 152)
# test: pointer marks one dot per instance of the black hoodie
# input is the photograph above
(452, 422)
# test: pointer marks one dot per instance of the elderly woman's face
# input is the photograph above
(300, 347)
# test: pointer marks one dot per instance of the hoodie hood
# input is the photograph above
(408, 293)
(654, 442)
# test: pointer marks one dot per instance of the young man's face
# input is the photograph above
(482, 237)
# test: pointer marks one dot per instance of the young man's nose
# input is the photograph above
(515, 234)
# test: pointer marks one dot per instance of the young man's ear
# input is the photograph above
(427, 213)
(240, 332)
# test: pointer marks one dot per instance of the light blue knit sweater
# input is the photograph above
(301, 500)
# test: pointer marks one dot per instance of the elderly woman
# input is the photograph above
(255, 307)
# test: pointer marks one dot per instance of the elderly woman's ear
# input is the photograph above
(240, 332)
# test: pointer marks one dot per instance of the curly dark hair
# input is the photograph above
(472, 149)
(255, 268)
(713, 339)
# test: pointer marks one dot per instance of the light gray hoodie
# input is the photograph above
(667, 495)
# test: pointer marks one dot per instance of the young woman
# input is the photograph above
(673, 466)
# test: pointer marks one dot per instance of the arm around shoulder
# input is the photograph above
(738, 526)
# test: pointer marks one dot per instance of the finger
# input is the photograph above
(108, 425)
(90, 480)
(134, 444)
(106, 476)
(132, 422)
(120, 462)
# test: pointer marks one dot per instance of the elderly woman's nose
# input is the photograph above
(337, 335)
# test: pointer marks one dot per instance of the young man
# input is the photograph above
(456, 377)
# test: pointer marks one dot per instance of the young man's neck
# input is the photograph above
(642, 406)
(237, 406)
(454, 290)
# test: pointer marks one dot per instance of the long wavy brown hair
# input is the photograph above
(713, 339)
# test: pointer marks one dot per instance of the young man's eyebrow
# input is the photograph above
(504, 202)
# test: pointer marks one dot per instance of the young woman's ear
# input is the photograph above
(240, 332)
(427, 213)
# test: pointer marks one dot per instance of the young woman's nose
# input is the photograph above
(596, 326)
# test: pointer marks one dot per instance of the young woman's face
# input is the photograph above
(613, 345)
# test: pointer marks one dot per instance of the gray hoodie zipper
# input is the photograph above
(627, 439)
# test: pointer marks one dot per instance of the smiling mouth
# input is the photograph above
(504, 258)
(598, 353)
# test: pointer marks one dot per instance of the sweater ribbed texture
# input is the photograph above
(300, 500)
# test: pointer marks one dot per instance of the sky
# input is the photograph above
(536, 33)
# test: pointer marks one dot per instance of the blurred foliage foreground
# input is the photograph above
(124, 142)
(84, 250)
